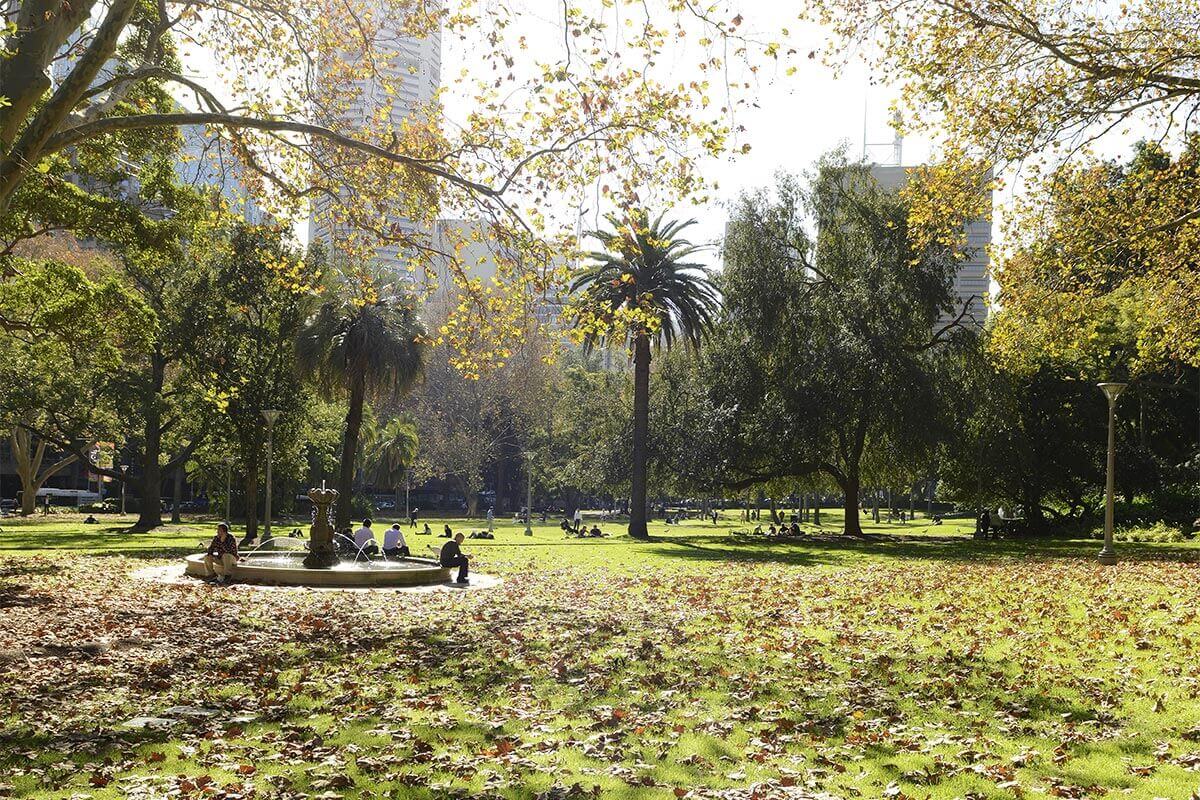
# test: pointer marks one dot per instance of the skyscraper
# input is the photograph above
(402, 83)
(972, 281)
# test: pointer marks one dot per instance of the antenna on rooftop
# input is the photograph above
(873, 150)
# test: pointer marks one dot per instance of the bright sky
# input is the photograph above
(797, 118)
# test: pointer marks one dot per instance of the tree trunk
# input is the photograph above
(250, 490)
(501, 478)
(851, 525)
(641, 435)
(816, 510)
(776, 518)
(28, 462)
(349, 451)
(150, 509)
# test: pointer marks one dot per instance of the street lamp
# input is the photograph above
(228, 486)
(529, 493)
(270, 415)
(124, 480)
(1112, 391)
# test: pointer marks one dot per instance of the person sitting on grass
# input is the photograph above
(447, 532)
(596, 532)
(453, 556)
(364, 539)
(796, 529)
(222, 555)
(427, 531)
(394, 545)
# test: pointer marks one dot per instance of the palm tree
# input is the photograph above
(644, 285)
(392, 454)
(369, 347)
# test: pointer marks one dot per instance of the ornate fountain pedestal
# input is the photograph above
(321, 552)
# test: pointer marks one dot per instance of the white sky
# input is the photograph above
(797, 118)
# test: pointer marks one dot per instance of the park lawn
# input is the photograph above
(914, 663)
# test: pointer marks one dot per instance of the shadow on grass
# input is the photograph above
(838, 549)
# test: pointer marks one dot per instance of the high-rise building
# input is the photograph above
(973, 279)
(404, 83)
(205, 160)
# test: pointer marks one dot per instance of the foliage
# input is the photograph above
(644, 291)
(364, 342)
(831, 358)
(1091, 291)
(310, 101)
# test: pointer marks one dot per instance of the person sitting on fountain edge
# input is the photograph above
(222, 555)
(453, 556)
(394, 545)
(364, 539)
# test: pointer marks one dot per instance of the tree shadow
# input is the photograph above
(840, 549)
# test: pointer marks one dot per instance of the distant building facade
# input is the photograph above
(972, 282)
(404, 86)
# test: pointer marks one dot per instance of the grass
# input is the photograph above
(913, 662)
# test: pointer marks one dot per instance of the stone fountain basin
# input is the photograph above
(287, 569)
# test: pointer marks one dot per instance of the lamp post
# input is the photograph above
(1112, 391)
(228, 487)
(270, 415)
(529, 493)
(124, 480)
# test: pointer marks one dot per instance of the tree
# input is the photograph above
(460, 424)
(827, 359)
(366, 342)
(392, 454)
(260, 288)
(28, 458)
(642, 289)
(1088, 290)
(1012, 78)
(65, 333)
(285, 82)
(1030, 83)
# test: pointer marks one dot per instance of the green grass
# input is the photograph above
(913, 662)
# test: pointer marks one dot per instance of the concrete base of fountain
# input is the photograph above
(277, 568)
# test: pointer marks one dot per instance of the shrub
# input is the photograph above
(1145, 532)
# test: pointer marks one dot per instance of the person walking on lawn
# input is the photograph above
(222, 555)
(453, 556)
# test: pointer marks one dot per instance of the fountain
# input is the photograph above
(320, 565)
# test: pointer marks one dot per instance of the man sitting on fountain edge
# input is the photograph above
(453, 556)
(364, 539)
(222, 555)
(394, 545)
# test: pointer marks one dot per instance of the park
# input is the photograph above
(562, 399)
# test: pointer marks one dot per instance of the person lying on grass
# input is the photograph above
(222, 555)
(453, 556)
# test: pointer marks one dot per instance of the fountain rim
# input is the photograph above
(428, 572)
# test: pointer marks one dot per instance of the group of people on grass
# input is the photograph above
(783, 530)
(222, 555)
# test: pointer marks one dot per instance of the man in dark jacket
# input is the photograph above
(453, 556)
